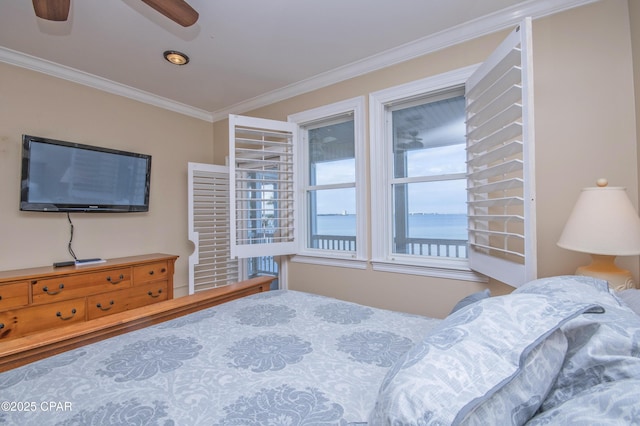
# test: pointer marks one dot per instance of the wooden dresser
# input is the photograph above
(37, 299)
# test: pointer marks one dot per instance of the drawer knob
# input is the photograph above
(52, 293)
(1, 325)
(0, 297)
(163, 270)
(73, 313)
(120, 279)
(99, 306)
(150, 293)
(151, 272)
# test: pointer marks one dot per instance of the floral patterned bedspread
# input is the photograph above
(281, 358)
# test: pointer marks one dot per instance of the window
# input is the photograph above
(331, 170)
(268, 159)
(457, 145)
(330, 186)
(419, 198)
(428, 176)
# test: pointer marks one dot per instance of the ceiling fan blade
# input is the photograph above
(52, 10)
(176, 10)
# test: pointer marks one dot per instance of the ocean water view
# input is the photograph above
(449, 226)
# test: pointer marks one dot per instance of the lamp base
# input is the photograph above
(604, 267)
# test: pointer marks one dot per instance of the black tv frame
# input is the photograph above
(26, 205)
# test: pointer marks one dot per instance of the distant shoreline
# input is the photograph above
(410, 214)
(419, 225)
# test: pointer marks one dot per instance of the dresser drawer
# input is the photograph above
(14, 295)
(72, 286)
(151, 272)
(20, 322)
(148, 294)
(8, 325)
(104, 304)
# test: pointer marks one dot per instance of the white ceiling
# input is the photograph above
(244, 53)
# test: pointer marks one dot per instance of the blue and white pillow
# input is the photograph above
(492, 363)
(471, 299)
(602, 348)
(609, 403)
(571, 287)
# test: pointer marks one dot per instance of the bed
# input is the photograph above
(556, 351)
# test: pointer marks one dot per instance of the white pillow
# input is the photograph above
(492, 363)
(602, 348)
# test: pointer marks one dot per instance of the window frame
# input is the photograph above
(380, 106)
(352, 259)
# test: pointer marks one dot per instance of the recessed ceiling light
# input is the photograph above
(175, 57)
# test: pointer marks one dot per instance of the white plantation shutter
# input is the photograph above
(500, 155)
(210, 265)
(263, 202)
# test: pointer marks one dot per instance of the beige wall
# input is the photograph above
(585, 129)
(585, 118)
(41, 105)
(634, 20)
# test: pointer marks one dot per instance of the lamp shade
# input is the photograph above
(603, 222)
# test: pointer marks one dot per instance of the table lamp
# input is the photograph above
(604, 224)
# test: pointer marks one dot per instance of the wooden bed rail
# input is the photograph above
(24, 350)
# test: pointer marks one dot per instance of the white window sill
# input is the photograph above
(341, 262)
(454, 273)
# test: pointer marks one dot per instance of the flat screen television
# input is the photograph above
(59, 176)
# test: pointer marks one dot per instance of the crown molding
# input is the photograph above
(488, 24)
(33, 63)
(498, 21)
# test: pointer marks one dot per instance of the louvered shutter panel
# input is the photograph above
(500, 164)
(263, 201)
(210, 265)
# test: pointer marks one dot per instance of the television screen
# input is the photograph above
(60, 176)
